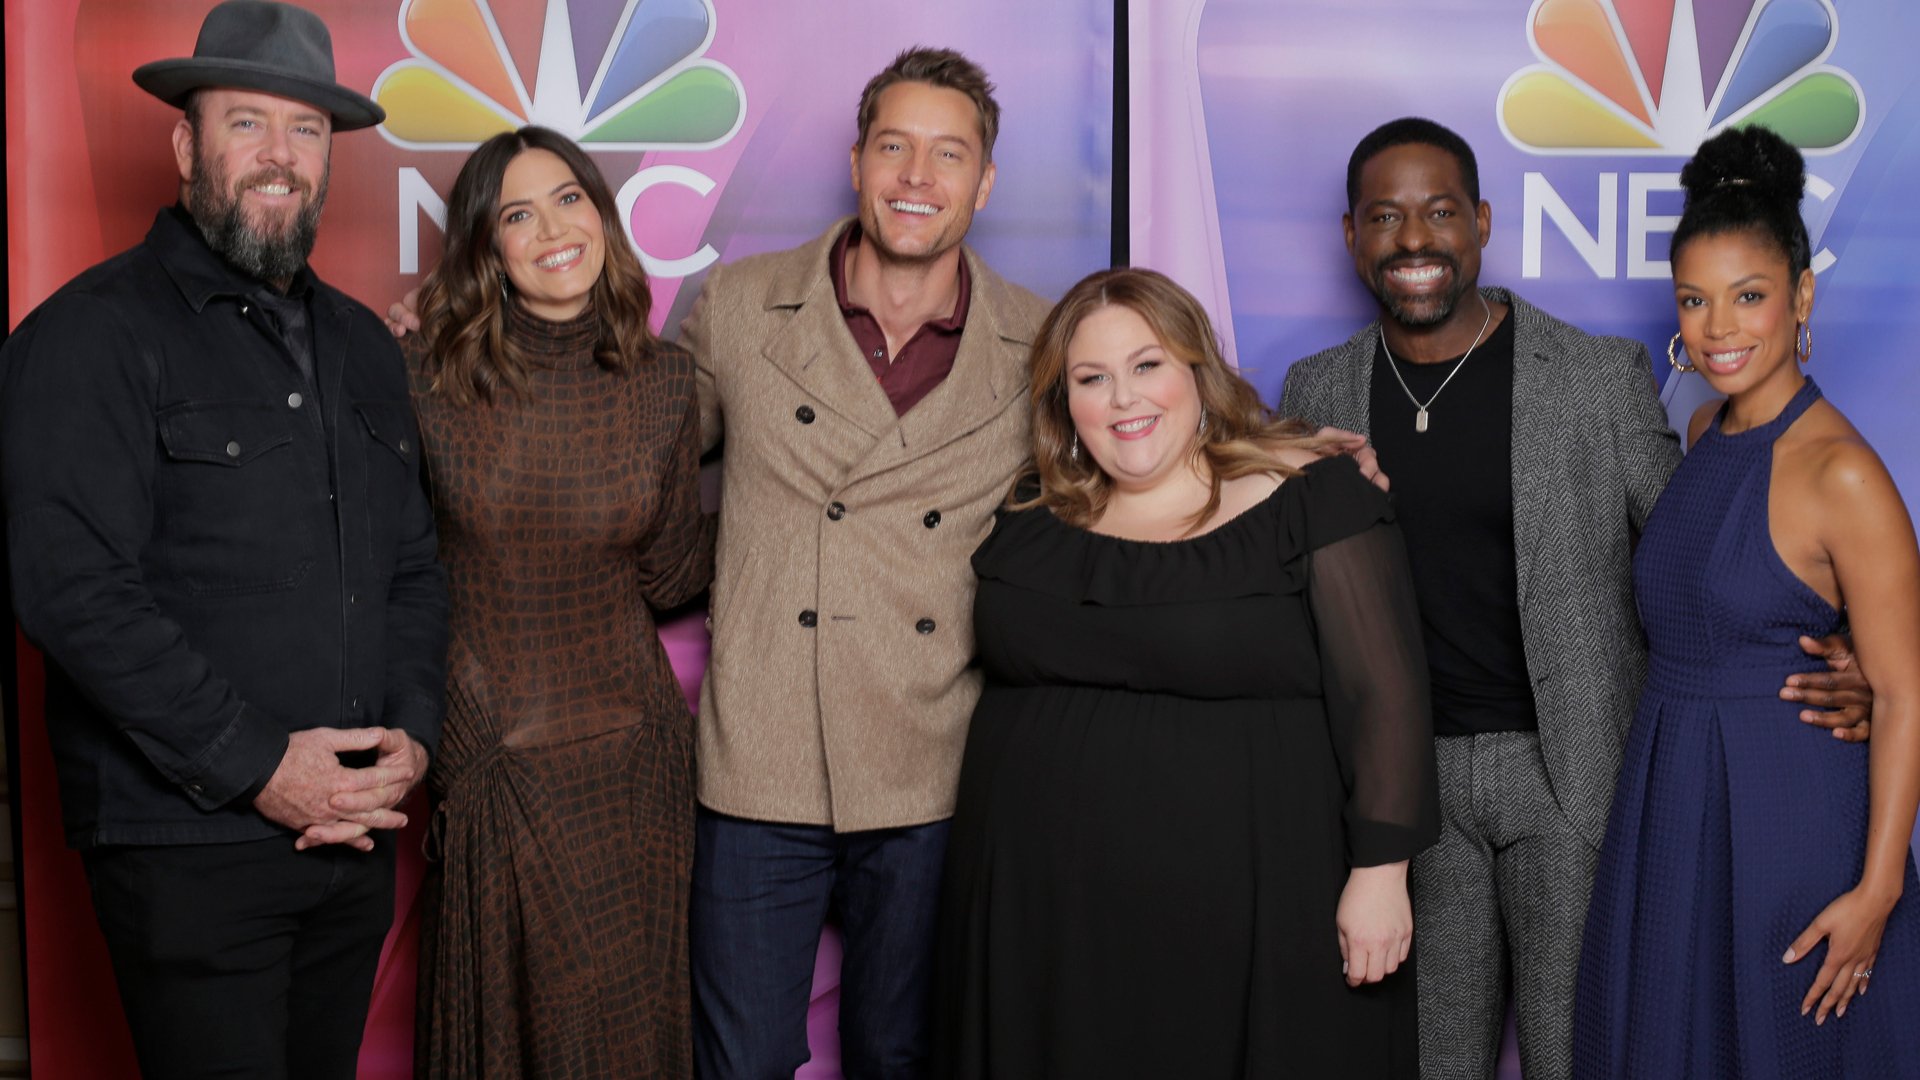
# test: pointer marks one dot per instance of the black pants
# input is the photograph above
(244, 960)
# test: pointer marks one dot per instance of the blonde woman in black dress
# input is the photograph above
(1203, 757)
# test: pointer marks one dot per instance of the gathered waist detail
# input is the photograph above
(1722, 681)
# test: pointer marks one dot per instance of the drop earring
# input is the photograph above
(1073, 454)
(1803, 343)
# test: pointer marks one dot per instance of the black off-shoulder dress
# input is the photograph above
(1180, 751)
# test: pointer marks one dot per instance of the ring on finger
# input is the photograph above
(1863, 974)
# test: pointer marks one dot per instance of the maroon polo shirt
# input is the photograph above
(925, 359)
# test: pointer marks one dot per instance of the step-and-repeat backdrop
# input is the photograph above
(723, 125)
(1243, 114)
(1580, 112)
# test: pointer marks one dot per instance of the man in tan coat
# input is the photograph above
(870, 388)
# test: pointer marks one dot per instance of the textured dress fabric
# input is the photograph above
(1180, 750)
(1734, 823)
(554, 943)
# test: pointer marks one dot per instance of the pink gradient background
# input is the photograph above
(100, 166)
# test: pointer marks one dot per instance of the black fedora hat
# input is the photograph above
(256, 45)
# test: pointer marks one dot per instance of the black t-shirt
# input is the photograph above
(1453, 495)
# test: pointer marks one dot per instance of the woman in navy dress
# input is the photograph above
(1756, 879)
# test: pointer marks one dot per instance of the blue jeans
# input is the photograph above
(761, 893)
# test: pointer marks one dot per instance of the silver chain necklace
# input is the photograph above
(1420, 416)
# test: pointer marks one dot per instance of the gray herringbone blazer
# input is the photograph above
(1591, 451)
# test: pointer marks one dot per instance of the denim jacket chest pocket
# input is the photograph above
(229, 506)
(392, 460)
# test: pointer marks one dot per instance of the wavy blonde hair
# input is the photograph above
(1242, 435)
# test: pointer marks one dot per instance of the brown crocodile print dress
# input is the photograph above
(554, 940)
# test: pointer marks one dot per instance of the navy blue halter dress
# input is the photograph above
(1733, 822)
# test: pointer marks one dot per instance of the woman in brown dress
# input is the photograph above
(562, 450)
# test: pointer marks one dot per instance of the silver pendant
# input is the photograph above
(1420, 421)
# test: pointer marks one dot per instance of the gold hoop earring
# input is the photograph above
(1803, 342)
(1673, 345)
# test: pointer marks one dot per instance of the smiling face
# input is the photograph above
(921, 173)
(253, 171)
(1740, 312)
(1415, 234)
(1134, 404)
(548, 235)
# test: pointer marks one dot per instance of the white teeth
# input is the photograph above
(1726, 357)
(1420, 273)
(273, 189)
(558, 258)
(912, 208)
(1130, 426)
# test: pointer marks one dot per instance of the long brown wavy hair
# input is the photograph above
(463, 302)
(1242, 435)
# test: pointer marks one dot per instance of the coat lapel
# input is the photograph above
(1534, 409)
(989, 375)
(816, 350)
(1356, 388)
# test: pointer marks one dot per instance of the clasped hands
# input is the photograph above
(329, 803)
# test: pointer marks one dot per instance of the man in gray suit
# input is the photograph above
(1525, 456)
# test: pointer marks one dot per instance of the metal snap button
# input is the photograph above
(808, 619)
(932, 519)
(293, 401)
(233, 449)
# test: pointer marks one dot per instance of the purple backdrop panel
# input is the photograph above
(1243, 114)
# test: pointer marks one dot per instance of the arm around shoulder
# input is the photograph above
(1646, 445)
(699, 336)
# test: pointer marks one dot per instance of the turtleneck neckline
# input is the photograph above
(567, 344)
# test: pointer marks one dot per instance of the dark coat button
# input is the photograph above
(808, 619)
(925, 626)
(836, 510)
(932, 519)
(804, 414)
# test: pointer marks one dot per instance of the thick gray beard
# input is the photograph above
(222, 220)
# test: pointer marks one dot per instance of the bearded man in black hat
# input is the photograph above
(219, 538)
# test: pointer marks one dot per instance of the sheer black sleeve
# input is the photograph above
(1374, 675)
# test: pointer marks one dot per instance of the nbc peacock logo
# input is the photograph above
(610, 74)
(1660, 76)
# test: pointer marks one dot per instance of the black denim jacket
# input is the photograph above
(209, 559)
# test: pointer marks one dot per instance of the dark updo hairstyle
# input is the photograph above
(1746, 179)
